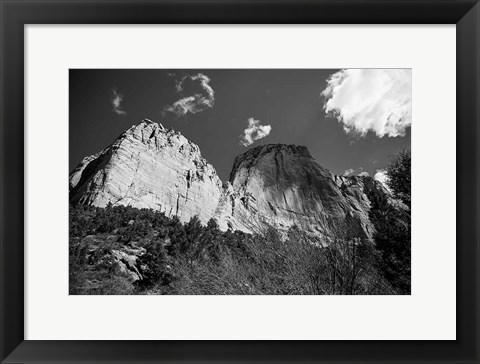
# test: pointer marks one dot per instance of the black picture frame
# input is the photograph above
(15, 14)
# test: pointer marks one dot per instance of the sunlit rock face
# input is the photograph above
(272, 185)
(149, 167)
(282, 186)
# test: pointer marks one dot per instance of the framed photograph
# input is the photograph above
(247, 181)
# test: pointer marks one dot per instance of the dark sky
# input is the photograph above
(287, 100)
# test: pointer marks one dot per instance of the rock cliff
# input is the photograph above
(282, 186)
(277, 185)
(149, 167)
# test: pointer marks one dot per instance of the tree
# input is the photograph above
(193, 229)
(211, 242)
(177, 235)
(155, 261)
(392, 239)
(399, 173)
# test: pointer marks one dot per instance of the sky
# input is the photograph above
(351, 120)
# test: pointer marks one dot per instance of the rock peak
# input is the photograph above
(252, 156)
(269, 148)
(149, 166)
(147, 123)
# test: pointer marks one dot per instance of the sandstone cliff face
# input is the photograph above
(272, 185)
(283, 186)
(149, 167)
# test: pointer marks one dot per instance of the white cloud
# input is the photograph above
(253, 132)
(381, 176)
(378, 100)
(179, 84)
(195, 103)
(190, 104)
(116, 101)
(352, 172)
(348, 172)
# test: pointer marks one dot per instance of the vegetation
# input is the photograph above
(392, 242)
(124, 250)
(194, 259)
(393, 225)
(399, 173)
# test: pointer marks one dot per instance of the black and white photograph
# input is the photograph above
(240, 181)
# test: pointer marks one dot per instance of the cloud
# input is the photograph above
(351, 172)
(201, 100)
(116, 101)
(253, 132)
(381, 176)
(377, 100)
(348, 172)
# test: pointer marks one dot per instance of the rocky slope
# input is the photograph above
(278, 185)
